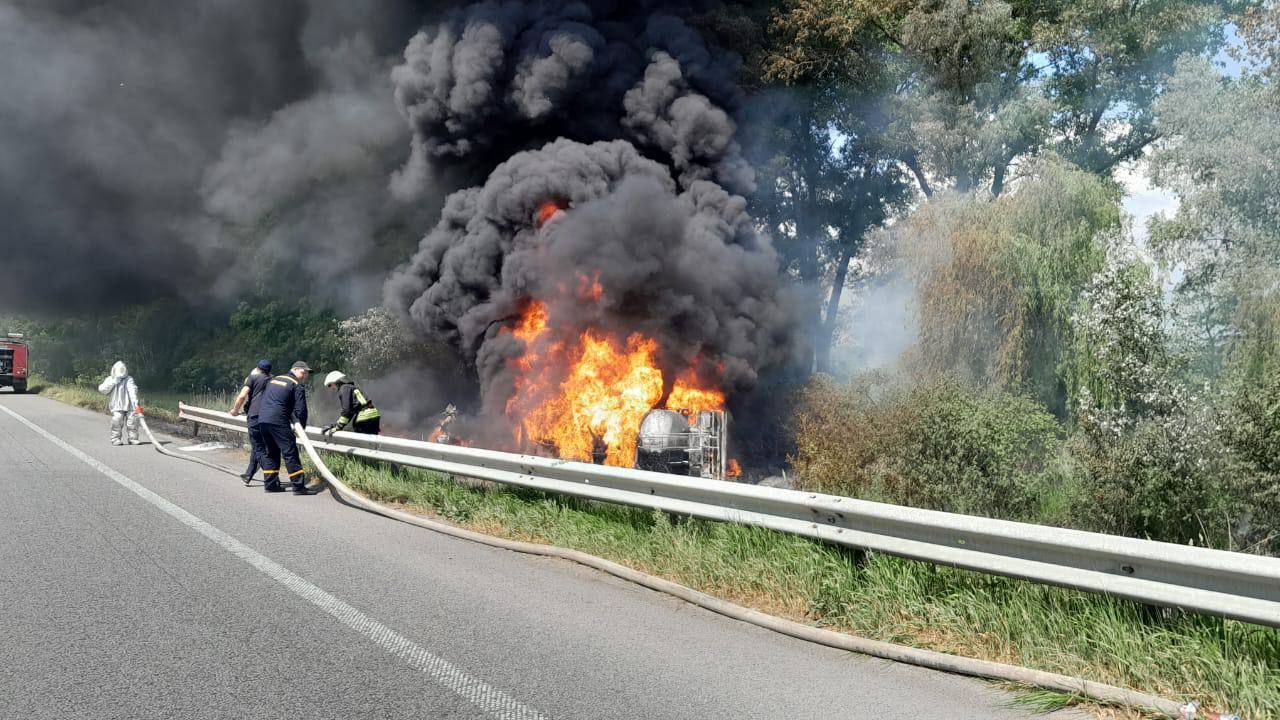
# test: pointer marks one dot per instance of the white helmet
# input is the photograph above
(119, 370)
(334, 377)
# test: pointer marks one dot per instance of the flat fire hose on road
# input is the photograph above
(1101, 692)
(142, 420)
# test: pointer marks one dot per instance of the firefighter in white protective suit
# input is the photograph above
(122, 400)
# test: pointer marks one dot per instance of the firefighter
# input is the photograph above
(283, 401)
(353, 407)
(248, 399)
(123, 402)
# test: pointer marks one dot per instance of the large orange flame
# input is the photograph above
(687, 397)
(588, 396)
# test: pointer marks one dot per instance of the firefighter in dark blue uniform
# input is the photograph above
(249, 399)
(284, 401)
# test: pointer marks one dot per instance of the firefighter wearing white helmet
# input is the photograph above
(123, 402)
(353, 407)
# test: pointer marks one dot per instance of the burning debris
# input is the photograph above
(605, 274)
(590, 394)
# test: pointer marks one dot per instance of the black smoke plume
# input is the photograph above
(623, 116)
(498, 77)
(151, 149)
(155, 149)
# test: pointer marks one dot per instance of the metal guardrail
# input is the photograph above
(1234, 585)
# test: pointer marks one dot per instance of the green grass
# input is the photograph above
(1226, 665)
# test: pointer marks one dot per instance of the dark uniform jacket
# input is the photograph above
(284, 400)
(256, 384)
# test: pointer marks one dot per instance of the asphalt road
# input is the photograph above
(133, 585)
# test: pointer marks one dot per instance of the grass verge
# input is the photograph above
(1223, 664)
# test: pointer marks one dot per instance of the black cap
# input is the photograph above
(264, 366)
(301, 365)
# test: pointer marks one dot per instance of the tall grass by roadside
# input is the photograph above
(163, 406)
(1224, 664)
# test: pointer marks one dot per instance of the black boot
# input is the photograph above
(247, 475)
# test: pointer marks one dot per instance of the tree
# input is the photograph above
(1224, 240)
(979, 85)
(1129, 372)
(825, 175)
(997, 281)
(1107, 63)
(822, 185)
(375, 344)
(1150, 452)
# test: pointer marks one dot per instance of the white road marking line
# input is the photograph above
(486, 697)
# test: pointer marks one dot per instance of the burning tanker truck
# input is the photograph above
(609, 286)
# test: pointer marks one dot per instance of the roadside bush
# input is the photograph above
(1252, 434)
(1160, 478)
(1206, 472)
(181, 348)
(376, 344)
(282, 331)
(939, 444)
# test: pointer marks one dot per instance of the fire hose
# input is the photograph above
(1100, 692)
(142, 420)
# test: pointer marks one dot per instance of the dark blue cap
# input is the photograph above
(264, 366)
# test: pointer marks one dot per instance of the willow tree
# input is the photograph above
(998, 281)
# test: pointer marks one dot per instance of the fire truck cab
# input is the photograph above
(13, 362)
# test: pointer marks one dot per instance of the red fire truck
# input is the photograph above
(13, 362)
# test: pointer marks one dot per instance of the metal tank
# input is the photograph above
(669, 443)
(663, 443)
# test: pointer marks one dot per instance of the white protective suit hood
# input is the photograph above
(120, 389)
